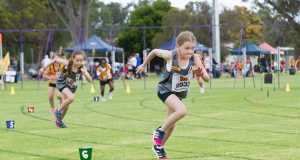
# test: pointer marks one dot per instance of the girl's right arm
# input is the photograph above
(167, 55)
(54, 60)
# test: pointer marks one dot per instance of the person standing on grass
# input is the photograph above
(105, 77)
(181, 64)
(51, 74)
(67, 82)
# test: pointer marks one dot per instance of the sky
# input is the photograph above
(181, 3)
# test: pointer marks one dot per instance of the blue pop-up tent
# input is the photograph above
(96, 43)
(251, 48)
(171, 44)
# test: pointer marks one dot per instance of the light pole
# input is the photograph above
(216, 32)
(93, 44)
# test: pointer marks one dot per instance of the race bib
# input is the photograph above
(73, 83)
(180, 83)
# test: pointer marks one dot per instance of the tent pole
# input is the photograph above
(144, 51)
(22, 60)
(278, 53)
(244, 66)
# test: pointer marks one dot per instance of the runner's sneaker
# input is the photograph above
(103, 99)
(159, 152)
(58, 115)
(201, 89)
(109, 95)
(60, 124)
(158, 136)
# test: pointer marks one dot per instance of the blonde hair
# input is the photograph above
(185, 36)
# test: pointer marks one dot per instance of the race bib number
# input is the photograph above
(105, 77)
(180, 83)
(71, 82)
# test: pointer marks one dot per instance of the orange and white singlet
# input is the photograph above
(55, 69)
(104, 72)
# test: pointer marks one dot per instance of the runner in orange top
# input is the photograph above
(105, 77)
(51, 75)
(292, 63)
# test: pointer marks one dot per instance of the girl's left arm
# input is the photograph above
(199, 66)
(86, 74)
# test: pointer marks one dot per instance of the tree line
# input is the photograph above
(272, 23)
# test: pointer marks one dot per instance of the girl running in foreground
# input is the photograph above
(67, 82)
(181, 63)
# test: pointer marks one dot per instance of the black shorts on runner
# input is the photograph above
(52, 85)
(163, 97)
(102, 83)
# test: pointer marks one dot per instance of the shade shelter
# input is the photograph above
(268, 47)
(251, 48)
(97, 44)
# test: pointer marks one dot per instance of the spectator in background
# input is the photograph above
(282, 66)
(133, 62)
(292, 63)
(46, 61)
(138, 59)
(130, 68)
(138, 63)
(275, 65)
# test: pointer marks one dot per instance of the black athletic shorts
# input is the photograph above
(52, 85)
(102, 83)
(163, 97)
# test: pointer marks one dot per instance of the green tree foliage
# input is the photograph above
(253, 25)
(284, 11)
(286, 32)
(29, 14)
(106, 16)
(195, 13)
(149, 14)
(74, 14)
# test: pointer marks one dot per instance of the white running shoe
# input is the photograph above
(201, 89)
(109, 95)
(103, 99)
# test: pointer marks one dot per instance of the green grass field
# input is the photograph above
(223, 123)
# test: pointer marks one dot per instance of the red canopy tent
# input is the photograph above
(268, 47)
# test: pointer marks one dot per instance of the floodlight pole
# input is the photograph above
(278, 65)
(210, 66)
(144, 56)
(216, 32)
(1, 53)
(22, 61)
(93, 44)
(244, 65)
(278, 53)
